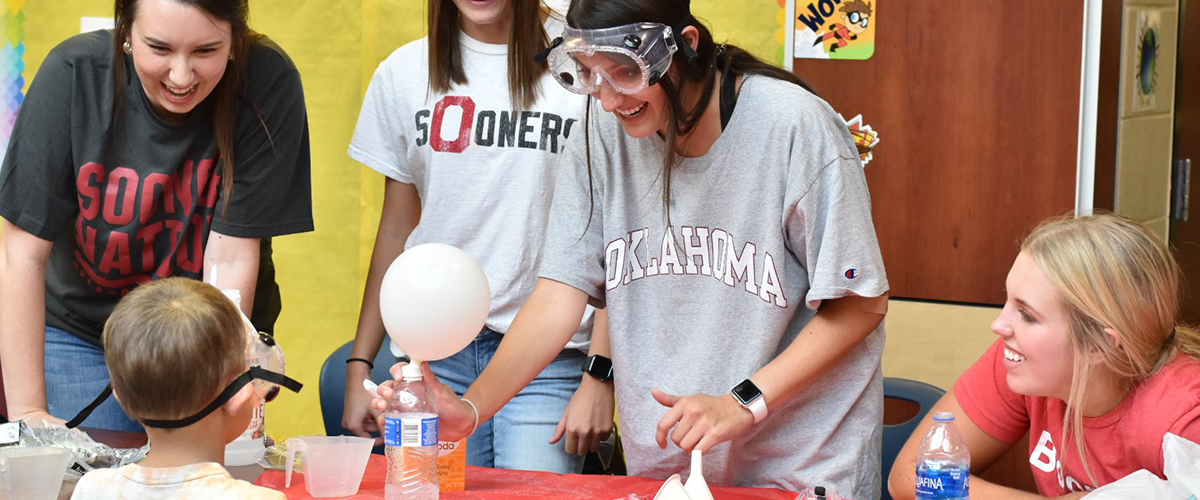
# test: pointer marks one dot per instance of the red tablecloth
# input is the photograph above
(499, 484)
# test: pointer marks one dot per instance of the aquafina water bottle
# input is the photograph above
(411, 440)
(943, 462)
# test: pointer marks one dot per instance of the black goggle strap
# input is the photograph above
(677, 33)
(87, 410)
(235, 386)
(540, 57)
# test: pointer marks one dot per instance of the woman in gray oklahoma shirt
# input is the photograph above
(756, 265)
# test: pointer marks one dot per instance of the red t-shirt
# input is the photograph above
(1124, 440)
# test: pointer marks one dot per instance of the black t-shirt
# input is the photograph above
(128, 204)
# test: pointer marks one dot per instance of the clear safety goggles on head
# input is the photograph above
(630, 57)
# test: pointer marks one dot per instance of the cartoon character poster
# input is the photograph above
(834, 29)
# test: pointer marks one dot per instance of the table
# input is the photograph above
(482, 482)
(500, 484)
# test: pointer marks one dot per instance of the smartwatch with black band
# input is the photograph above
(598, 366)
(749, 396)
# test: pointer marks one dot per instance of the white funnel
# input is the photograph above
(697, 488)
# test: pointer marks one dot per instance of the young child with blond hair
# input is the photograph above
(176, 351)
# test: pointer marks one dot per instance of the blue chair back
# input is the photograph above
(895, 435)
(333, 384)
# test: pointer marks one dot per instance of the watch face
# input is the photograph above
(746, 392)
(599, 367)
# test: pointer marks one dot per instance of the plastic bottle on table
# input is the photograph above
(943, 462)
(411, 439)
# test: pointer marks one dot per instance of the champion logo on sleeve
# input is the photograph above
(851, 273)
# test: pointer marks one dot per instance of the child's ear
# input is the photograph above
(244, 396)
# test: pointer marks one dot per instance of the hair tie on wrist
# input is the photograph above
(476, 410)
(370, 365)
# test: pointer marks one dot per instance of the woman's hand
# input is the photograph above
(37, 414)
(701, 421)
(588, 419)
(455, 417)
(358, 416)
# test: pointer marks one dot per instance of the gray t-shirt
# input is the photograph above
(774, 219)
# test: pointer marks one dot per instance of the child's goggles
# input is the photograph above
(266, 383)
(630, 58)
(266, 372)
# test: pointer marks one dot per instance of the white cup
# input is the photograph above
(32, 473)
(672, 489)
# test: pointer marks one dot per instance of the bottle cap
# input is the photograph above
(943, 416)
(411, 372)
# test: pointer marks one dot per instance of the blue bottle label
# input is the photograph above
(946, 483)
(410, 431)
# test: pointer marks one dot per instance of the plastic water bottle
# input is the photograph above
(943, 462)
(411, 439)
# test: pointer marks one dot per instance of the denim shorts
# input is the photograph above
(75, 375)
(517, 437)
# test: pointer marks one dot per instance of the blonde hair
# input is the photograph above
(171, 346)
(1112, 273)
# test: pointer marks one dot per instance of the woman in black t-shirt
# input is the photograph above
(174, 145)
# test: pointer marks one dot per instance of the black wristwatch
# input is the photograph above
(598, 366)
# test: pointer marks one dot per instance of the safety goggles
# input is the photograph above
(630, 57)
(266, 384)
(266, 372)
(265, 353)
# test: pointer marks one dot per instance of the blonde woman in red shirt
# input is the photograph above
(1091, 361)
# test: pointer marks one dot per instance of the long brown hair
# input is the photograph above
(684, 74)
(225, 95)
(1112, 273)
(525, 39)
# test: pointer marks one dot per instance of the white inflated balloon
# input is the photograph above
(434, 301)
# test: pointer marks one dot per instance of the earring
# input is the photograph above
(231, 55)
(127, 47)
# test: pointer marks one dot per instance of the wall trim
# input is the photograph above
(1089, 93)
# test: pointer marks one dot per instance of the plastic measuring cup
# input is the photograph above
(333, 465)
(34, 473)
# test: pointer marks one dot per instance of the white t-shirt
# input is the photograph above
(484, 172)
(134, 482)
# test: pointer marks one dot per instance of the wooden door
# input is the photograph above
(977, 106)
(1185, 235)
